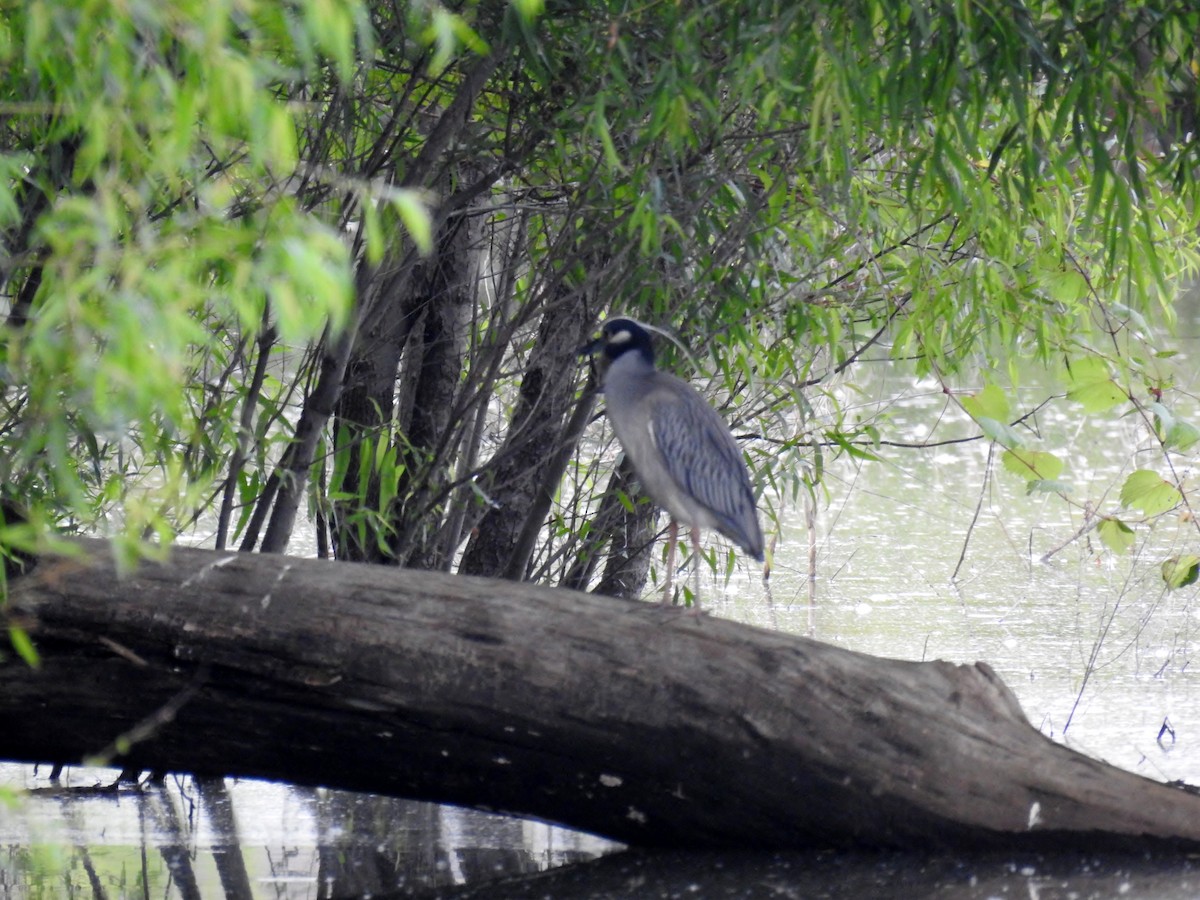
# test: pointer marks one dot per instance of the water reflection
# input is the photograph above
(191, 839)
(179, 838)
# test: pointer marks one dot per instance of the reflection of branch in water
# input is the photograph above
(148, 726)
(174, 840)
(227, 846)
(78, 830)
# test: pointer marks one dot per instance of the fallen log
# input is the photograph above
(628, 720)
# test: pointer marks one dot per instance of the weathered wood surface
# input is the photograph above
(644, 724)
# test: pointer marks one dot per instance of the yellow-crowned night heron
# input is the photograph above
(680, 447)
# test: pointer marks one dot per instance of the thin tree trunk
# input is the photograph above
(266, 340)
(448, 293)
(486, 360)
(423, 170)
(537, 432)
(262, 508)
(627, 533)
(547, 486)
(631, 551)
(298, 458)
(367, 406)
(34, 195)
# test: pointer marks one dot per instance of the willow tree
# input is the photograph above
(267, 266)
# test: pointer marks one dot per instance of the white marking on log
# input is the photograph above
(266, 600)
(223, 561)
(1035, 815)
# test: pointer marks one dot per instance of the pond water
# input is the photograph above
(1097, 649)
(86, 835)
(932, 553)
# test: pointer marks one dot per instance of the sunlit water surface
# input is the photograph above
(935, 554)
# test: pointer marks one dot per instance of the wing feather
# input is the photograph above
(706, 462)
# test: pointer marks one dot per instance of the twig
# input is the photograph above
(987, 475)
(1090, 523)
(810, 516)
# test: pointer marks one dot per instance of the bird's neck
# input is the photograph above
(627, 372)
(636, 359)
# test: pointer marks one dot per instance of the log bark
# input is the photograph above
(645, 724)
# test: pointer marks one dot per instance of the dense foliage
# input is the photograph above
(265, 262)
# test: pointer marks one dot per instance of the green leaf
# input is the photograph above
(1116, 535)
(1032, 465)
(1087, 369)
(529, 10)
(1147, 491)
(21, 642)
(1098, 396)
(442, 34)
(1181, 435)
(604, 133)
(1163, 419)
(483, 496)
(858, 451)
(1180, 571)
(990, 403)
(1067, 287)
(411, 206)
(280, 134)
(1092, 385)
(372, 232)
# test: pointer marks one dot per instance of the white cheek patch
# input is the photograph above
(624, 336)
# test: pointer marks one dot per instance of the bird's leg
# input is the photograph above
(672, 539)
(695, 570)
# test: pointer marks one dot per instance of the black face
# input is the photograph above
(618, 337)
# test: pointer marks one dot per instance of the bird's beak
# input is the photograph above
(591, 348)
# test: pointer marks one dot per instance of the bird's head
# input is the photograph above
(618, 337)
